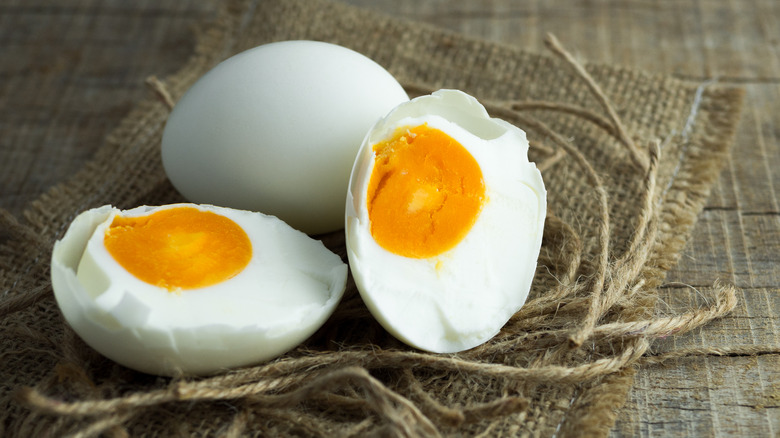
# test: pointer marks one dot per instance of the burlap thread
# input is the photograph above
(628, 159)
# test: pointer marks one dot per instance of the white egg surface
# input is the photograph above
(192, 289)
(444, 222)
(276, 128)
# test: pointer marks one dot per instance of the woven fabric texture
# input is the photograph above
(628, 159)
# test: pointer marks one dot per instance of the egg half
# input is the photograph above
(192, 289)
(276, 129)
(444, 222)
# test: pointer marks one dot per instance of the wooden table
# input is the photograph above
(71, 69)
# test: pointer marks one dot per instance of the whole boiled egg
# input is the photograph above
(444, 222)
(192, 289)
(276, 128)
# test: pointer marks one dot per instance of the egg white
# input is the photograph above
(461, 298)
(289, 288)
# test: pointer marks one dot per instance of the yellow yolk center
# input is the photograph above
(179, 248)
(425, 193)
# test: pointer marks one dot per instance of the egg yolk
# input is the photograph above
(179, 248)
(425, 192)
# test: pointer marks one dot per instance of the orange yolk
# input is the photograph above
(425, 193)
(179, 248)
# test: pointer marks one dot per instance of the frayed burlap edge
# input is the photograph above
(600, 385)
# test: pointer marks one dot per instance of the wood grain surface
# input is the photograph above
(71, 69)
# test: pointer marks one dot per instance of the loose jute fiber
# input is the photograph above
(628, 159)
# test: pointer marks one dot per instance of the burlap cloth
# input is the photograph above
(627, 171)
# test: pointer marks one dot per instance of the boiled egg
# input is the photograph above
(276, 128)
(444, 222)
(192, 289)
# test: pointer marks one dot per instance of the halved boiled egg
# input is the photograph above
(192, 289)
(444, 222)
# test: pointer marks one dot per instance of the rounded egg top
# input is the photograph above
(275, 129)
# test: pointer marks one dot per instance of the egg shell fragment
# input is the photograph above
(290, 287)
(275, 129)
(461, 298)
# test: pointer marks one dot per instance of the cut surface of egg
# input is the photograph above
(192, 289)
(276, 128)
(444, 222)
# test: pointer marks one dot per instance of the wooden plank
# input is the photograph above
(697, 398)
(69, 72)
(711, 396)
(732, 246)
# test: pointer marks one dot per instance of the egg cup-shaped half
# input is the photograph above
(444, 222)
(289, 286)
